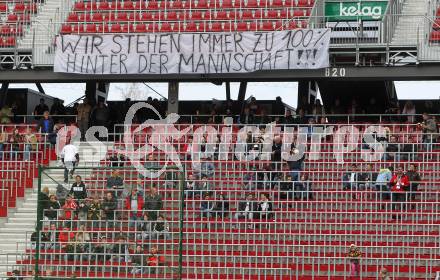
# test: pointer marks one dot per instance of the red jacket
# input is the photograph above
(399, 186)
(140, 202)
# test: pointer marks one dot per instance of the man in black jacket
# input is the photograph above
(78, 189)
(109, 206)
(414, 178)
(153, 203)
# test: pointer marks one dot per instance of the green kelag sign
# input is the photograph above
(345, 11)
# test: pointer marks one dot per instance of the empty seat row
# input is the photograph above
(182, 27)
(19, 8)
(201, 4)
(8, 29)
(195, 15)
(7, 42)
(24, 18)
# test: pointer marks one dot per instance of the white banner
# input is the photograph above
(200, 53)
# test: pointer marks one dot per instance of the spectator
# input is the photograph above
(301, 117)
(154, 260)
(15, 140)
(53, 237)
(161, 227)
(53, 208)
(429, 128)
(137, 260)
(46, 126)
(83, 209)
(286, 188)
(40, 109)
(276, 153)
(153, 203)
(350, 179)
(69, 207)
(353, 255)
(83, 238)
(145, 227)
(206, 206)
(264, 207)
(191, 187)
(15, 275)
(115, 183)
(246, 209)
(382, 181)
(134, 204)
(296, 166)
(120, 250)
(78, 189)
(65, 236)
(247, 117)
(393, 149)
(368, 177)
(221, 207)
(44, 198)
(5, 115)
(303, 188)
(58, 110)
(205, 185)
(207, 168)
(410, 149)
(94, 212)
(102, 251)
(109, 206)
(383, 274)
(30, 144)
(83, 117)
(3, 141)
(288, 118)
(151, 163)
(264, 118)
(100, 114)
(414, 178)
(70, 158)
(410, 110)
(399, 182)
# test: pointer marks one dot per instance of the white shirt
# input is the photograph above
(68, 152)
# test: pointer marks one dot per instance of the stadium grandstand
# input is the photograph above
(345, 184)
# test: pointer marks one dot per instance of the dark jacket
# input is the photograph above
(114, 181)
(153, 202)
(109, 207)
(53, 207)
(79, 191)
(242, 206)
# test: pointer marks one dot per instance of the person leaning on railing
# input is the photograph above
(15, 139)
(430, 130)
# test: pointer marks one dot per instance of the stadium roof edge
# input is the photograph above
(398, 73)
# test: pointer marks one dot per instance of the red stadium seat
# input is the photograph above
(290, 3)
(242, 26)
(91, 28)
(128, 5)
(10, 41)
(293, 24)
(153, 5)
(19, 8)
(222, 15)
(140, 5)
(166, 27)
(277, 3)
(247, 14)
(171, 15)
(116, 28)
(5, 30)
(66, 29)
(103, 6)
(154, 27)
(147, 16)
(279, 25)
(196, 15)
(140, 28)
(228, 27)
(435, 36)
(254, 26)
(73, 17)
(267, 26)
(216, 27)
(298, 13)
(191, 27)
(91, 6)
(260, 14)
(79, 6)
(252, 4)
(12, 18)
(24, 18)
(226, 4)
(176, 4)
(85, 18)
(303, 3)
(272, 14)
(436, 24)
(3, 7)
(202, 4)
(122, 16)
(97, 17)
